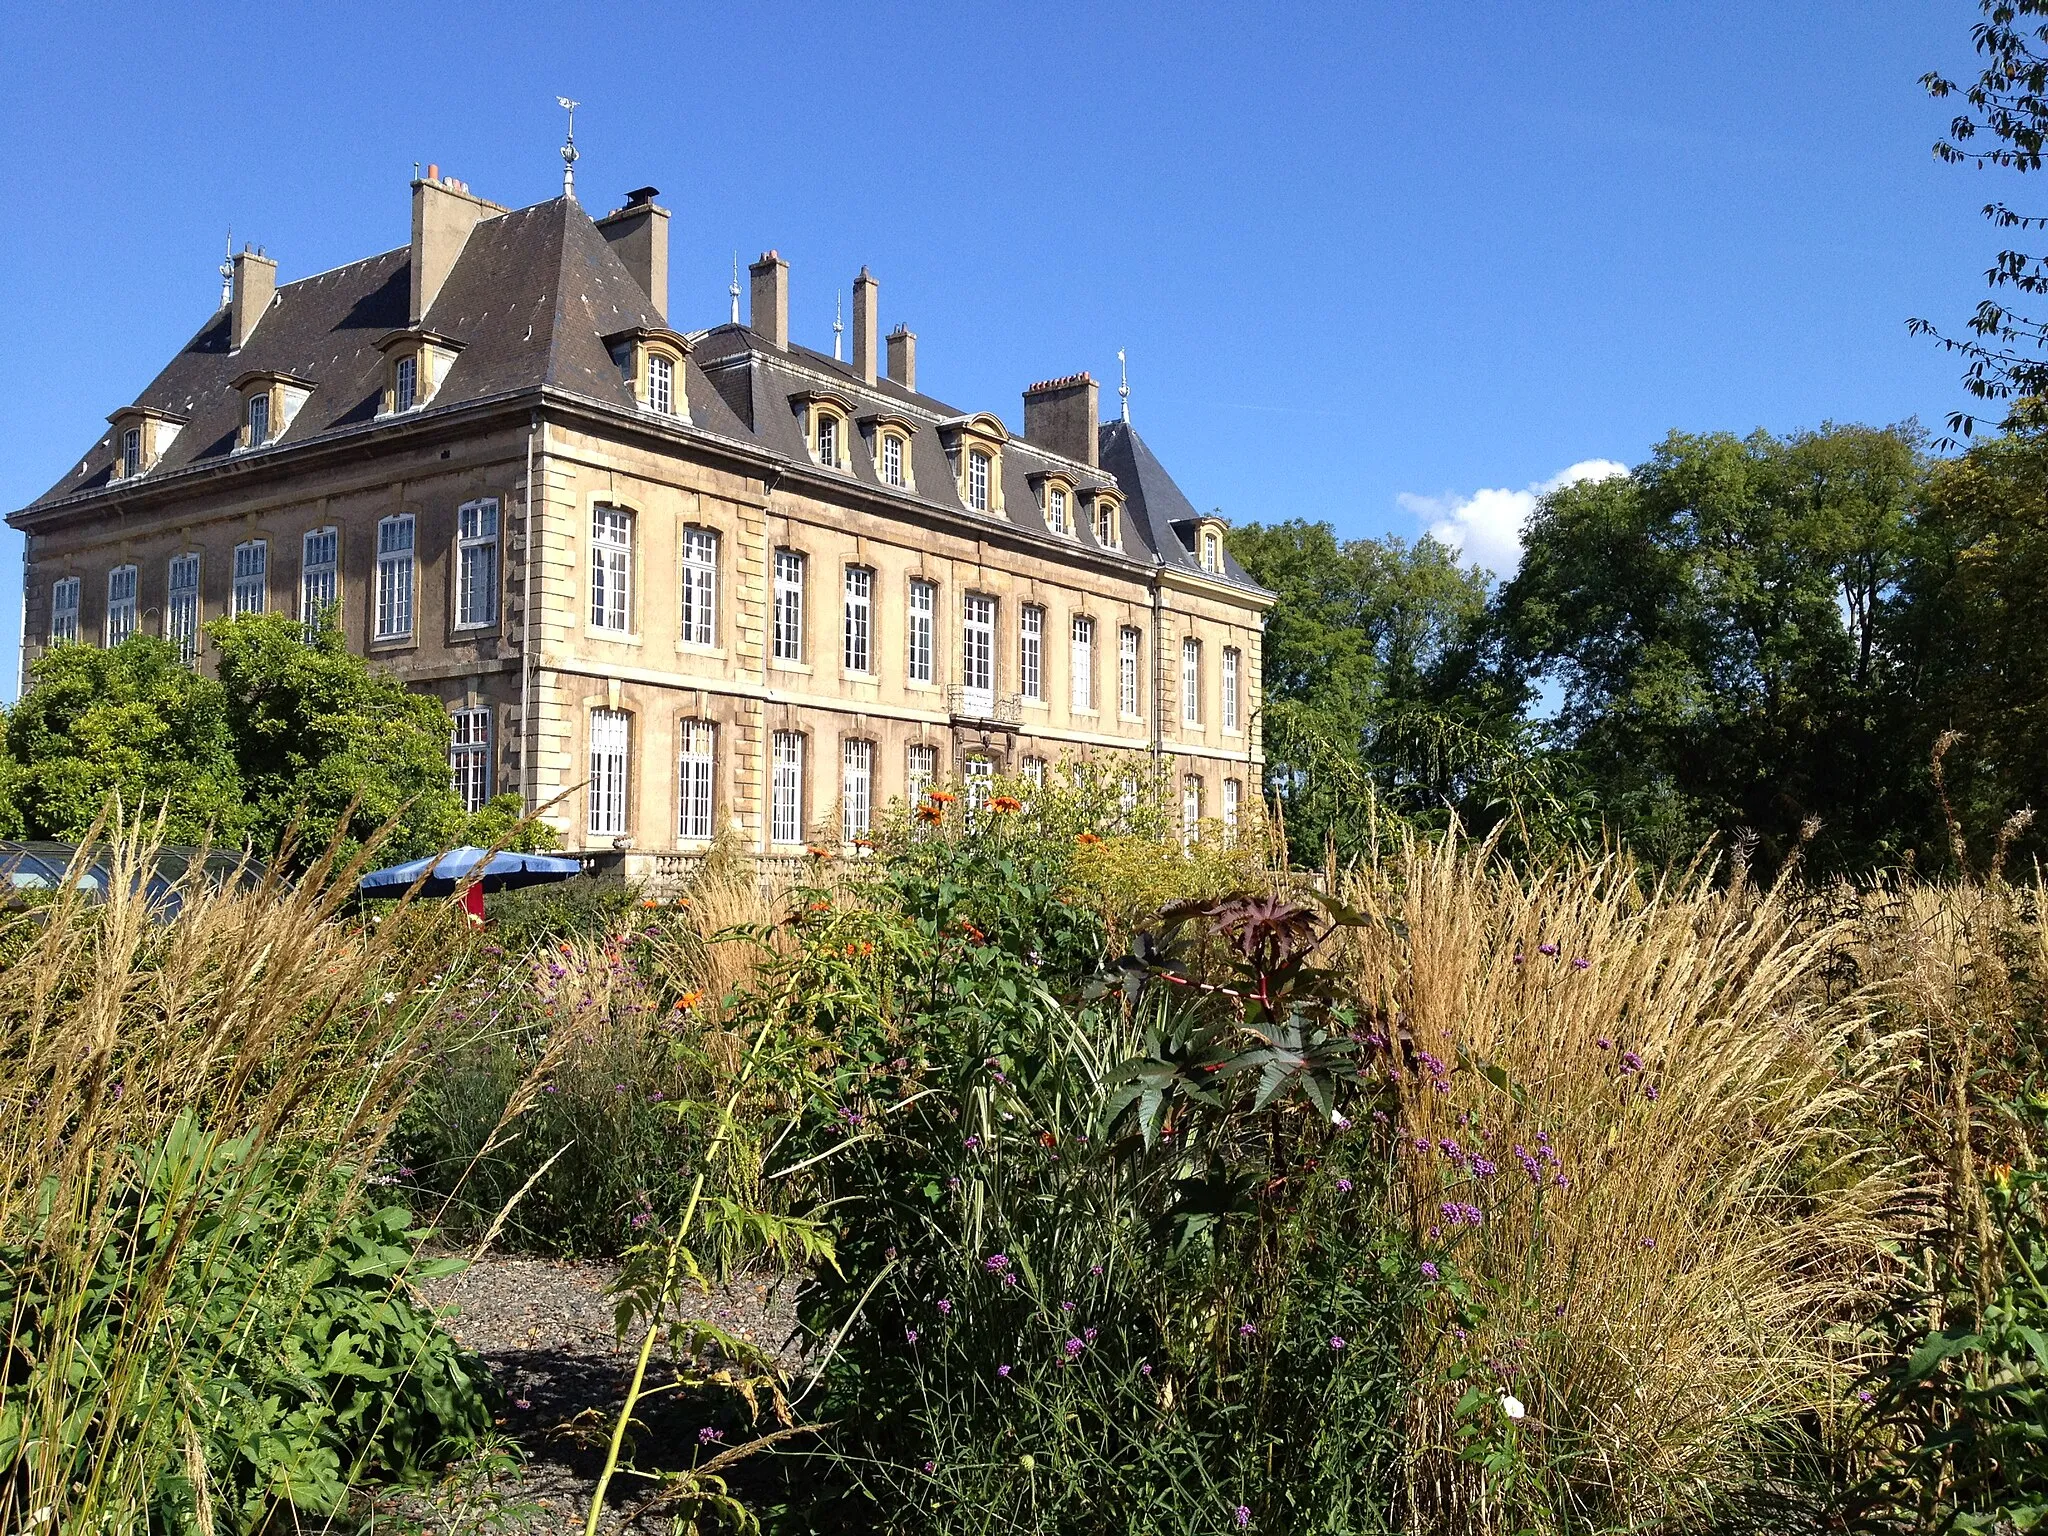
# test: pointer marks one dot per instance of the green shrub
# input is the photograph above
(291, 1365)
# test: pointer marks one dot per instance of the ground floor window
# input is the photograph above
(787, 820)
(857, 788)
(469, 757)
(610, 740)
(694, 761)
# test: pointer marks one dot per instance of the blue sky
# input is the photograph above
(1368, 261)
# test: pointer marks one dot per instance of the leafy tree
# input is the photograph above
(1714, 623)
(1973, 615)
(135, 721)
(318, 731)
(1379, 692)
(2005, 126)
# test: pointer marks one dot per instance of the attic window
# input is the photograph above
(975, 444)
(131, 451)
(405, 383)
(650, 360)
(1056, 509)
(661, 383)
(270, 402)
(889, 441)
(828, 437)
(143, 434)
(1212, 550)
(892, 458)
(978, 466)
(417, 360)
(258, 421)
(1108, 524)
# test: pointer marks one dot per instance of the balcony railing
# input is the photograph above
(982, 704)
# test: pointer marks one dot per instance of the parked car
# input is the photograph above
(29, 868)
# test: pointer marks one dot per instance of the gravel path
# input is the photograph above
(546, 1329)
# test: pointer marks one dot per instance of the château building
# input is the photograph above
(668, 580)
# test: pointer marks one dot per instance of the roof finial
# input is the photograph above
(838, 326)
(735, 289)
(569, 156)
(227, 270)
(1123, 390)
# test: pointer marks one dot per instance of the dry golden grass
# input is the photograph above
(252, 1015)
(1671, 1302)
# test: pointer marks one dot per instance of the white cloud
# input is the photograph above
(1485, 528)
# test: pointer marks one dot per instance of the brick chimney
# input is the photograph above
(638, 233)
(1060, 415)
(444, 211)
(903, 356)
(867, 325)
(769, 315)
(255, 284)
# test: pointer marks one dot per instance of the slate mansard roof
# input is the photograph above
(530, 299)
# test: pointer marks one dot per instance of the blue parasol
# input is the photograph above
(491, 871)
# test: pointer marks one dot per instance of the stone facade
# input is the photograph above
(555, 513)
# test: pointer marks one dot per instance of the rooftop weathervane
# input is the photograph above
(569, 149)
(735, 289)
(227, 271)
(1123, 390)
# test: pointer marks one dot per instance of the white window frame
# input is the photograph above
(1231, 662)
(258, 408)
(789, 605)
(1081, 663)
(611, 767)
(1128, 702)
(856, 787)
(1212, 550)
(1056, 509)
(858, 653)
(924, 608)
(696, 767)
(251, 591)
(1031, 652)
(477, 525)
(661, 384)
(830, 438)
(978, 652)
(893, 459)
(1032, 771)
(121, 604)
(920, 769)
(699, 617)
(469, 757)
(181, 604)
(405, 383)
(397, 576)
(65, 596)
(786, 798)
(131, 452)
(1108, 527)
(977, 778)
(1190, 807)
(319, 574)
(1233, 797)
(611, 568)
(980, 471)
(1191, 682)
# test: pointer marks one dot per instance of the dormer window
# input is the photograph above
(889, 440)
(1056, 501)
(650, 360)
(1212, 550)
(416, 362)
(823, 417)
(143, 434)
(976, 445)
(270, 402)
(828, 439)
(1109, 531)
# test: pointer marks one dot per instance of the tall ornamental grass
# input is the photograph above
(203, 1291)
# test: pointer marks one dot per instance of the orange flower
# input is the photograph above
(973, 932)
(688, 1001)
(682, 901)
(1005, 803)
(863, 842)
(818, 853)
(819, 906)
(930, 813)
(650, 904)
(943, 798)
(1087, 839)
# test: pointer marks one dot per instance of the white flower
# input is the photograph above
(1512, 1406)
(390, 998)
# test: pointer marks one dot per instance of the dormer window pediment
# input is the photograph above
(1055, 500)
(416, 362)
(889, 440)
(826, 417)
(975, 445)
(142, 435)
(270, 403)
(651, 360)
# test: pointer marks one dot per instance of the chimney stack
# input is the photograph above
(255, 283)
(867, 326)
(903, 356)
(638, 233)
(1060, 415)
(769, 315)
(444, 211)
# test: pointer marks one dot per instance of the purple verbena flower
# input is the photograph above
(1429, 1270)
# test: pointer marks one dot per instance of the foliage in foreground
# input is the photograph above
(207, 1321)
